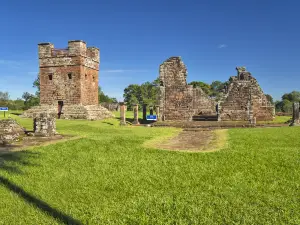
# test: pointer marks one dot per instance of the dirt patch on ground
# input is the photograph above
(193, 140)
(32, 141)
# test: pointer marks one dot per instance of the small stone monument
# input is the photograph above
(44, 124)
(136, 114)
(122, 114)
(296, 115)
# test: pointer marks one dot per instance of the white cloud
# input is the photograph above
(223, 46)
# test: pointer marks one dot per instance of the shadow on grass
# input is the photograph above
(16, 113)
(141, 121)
(41, 205)
(108, 123)
(21, 158)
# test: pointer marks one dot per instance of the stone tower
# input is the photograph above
(68, 76)
(69, 82)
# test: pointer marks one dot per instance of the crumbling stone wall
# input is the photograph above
(10, 131)
(244, 99)
(177, 100)
(44, 124)
(69, 75)
(111, 106)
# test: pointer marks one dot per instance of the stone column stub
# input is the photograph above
(122, 114)
(135, 114)
(296, 115)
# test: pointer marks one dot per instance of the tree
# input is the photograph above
(4, 96)
(148, 93)
(30, 100)
(204, 86)
(132, 95)
(293, 96)
(145, 93)
(286, 104)
(270, 98)
(217, 86)
(27, 96)
(105, 98)
(36, 84)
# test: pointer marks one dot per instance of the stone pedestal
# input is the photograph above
(157, 109)
(144, 112)
(136, 114)
(44, 124)
(296, 115)
(253, 121)
(122, 114)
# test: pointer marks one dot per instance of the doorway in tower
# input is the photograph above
(60, 107)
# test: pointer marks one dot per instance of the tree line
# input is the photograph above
(286, 103)
(147, 93)
(144, 93)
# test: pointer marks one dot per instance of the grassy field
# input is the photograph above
(277, 120)
(108, 176)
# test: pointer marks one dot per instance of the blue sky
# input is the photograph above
(135, 37)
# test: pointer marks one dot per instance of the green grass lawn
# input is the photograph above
(277, 120)
(108, 177)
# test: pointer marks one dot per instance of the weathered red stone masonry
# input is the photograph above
(69, 75)
(243, 99)
(69, 81)
(177, 99)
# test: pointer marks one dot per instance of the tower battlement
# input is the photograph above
(75, 48)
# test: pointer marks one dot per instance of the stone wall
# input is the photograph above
(244, 99)
(177, 100)
(69, 75)
(111, 106)
(89, 112)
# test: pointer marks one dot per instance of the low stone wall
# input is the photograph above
(10, 131)
(89, 112)
(44, 124)
(111, 106)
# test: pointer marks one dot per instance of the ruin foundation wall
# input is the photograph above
(244, 99)
(177, 100)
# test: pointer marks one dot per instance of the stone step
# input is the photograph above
(205, 118)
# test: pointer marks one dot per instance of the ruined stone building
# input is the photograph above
(177, 99)
(242, 99)
(69, 81)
